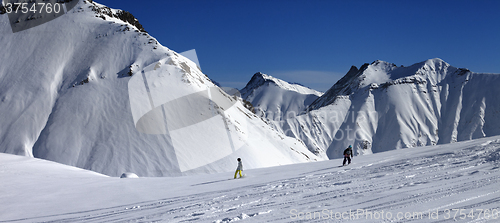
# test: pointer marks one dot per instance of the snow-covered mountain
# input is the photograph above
(276, 99)
(381, 107)
(67, 89)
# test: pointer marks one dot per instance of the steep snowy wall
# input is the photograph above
(275, 99)
(382, 107)
(65, 97)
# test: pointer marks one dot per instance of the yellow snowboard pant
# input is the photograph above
(237, 171)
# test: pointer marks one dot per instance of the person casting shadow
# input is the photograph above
(347, 155)
(239, 169)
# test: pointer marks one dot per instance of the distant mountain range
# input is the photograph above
(381, 107)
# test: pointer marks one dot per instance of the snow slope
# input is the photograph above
(67, 91)
(427, 180)
(381, 107)
(276, 99)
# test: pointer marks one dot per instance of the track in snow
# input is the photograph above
(418, 180)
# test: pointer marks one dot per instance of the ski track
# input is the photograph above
(414, 183)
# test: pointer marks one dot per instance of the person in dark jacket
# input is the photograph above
(239, 169)
(347, 155)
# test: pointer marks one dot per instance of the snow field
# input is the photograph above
(428, 181)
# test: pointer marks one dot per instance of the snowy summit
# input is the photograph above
(67, 95)
(276, 99)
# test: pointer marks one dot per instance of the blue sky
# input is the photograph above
(316, 42)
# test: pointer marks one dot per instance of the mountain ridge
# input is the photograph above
(259, 79)
(381, 107)
(358, 78)
(65, 97)
(276, 99)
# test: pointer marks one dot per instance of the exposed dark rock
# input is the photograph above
(129, 18)
(342, 87)
(463, 71)
(130, 72)
(121, 15)
(248, 106)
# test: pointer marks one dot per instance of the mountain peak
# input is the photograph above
(107, 13)
(259, 79)
(119, 66)
(382, 73)
(435, 60)
(436, 63)
(259, 76)
(276, 99)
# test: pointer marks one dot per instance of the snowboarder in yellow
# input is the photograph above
(239, 169)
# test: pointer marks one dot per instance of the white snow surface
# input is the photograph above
(381, 107)
(276, 99)
(64, 97)
(463, 175)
